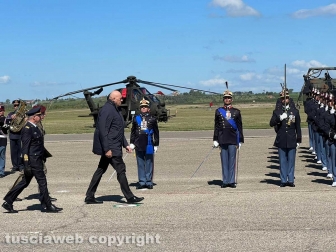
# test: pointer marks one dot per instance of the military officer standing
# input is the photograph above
(145, 140)
(288, 138)
(228, 135)
(3, 141)
(33, 151)
(15, 141)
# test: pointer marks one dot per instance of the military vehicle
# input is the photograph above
(132, 93)
(320, 78)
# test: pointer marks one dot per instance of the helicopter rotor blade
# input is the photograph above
(156, 83)
(86, 89)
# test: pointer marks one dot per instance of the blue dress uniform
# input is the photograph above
(15, 143)
(33, 152)
(229, 136)
(308, 105)
(287, 139)
(328, 123)
(144, 130)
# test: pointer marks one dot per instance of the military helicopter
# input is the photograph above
(317, 77)
(132, 94)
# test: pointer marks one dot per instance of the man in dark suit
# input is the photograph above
(109, 138)
(145, 140)
(228, 135)
(288, 138)
(33, 152)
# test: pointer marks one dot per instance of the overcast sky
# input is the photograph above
(48, 48)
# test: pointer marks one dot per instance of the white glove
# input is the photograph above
(216, 144)
(322, 105)
(335, 136)
(155, 149)
(132, 146)
(326, 108)
(240, 144)
(297, 145)
(283, 116)
(332, 110)
(319, 102)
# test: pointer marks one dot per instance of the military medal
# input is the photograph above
(143, 124)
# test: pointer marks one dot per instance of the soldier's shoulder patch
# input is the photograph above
(27, 127)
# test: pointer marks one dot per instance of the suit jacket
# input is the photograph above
(224, 133)
(32, 145)
(109, 132)
(289, 130)
(139, 137)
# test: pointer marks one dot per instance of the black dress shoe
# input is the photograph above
(53, 209)
(282, 185)
(224, 185)
(2, 175)
(290, 184)
(93, 201)
(18, 199)
(233, 185)
(150, 186)
(135, 199)
(9, 207)
(141, 187)
(53, 199)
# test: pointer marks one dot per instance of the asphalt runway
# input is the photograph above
(179, 214)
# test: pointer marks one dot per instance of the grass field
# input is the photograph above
(185, 118)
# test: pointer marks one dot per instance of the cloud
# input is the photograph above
(235, 8)
(250, 76)
(329, 10)
(307, 64)
(4, 79)
(213, 82)
(242, 59)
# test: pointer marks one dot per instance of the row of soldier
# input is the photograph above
(320, 110)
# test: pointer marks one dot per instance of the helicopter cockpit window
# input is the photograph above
(154, 98)
(136, 95)
(145, 91)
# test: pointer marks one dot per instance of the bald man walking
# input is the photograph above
(108, 140)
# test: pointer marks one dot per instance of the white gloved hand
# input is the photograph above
(335, 136)
(332, 110)
(132, 146)
(155, 149)
(283, 116)
(322, 105)
(319, 102)
(297, 145)
(326, 108)
(240, 144)
(215, 144)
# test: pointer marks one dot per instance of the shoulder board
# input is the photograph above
(27, 127)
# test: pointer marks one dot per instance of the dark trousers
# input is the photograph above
(37, 172)
(120, 167)
(15, 149)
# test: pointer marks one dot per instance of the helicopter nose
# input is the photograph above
(162, 115)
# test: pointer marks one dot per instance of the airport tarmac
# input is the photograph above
(181, 213)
